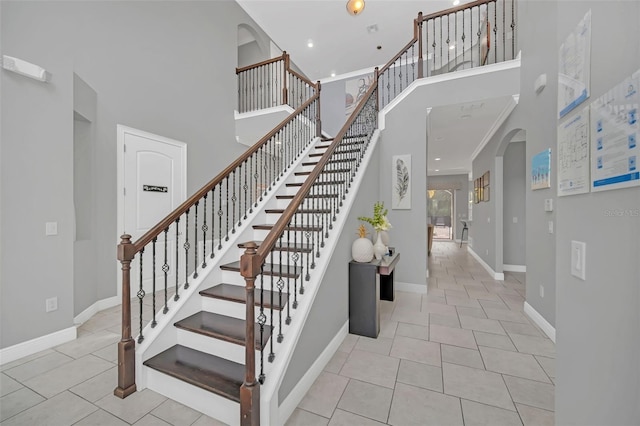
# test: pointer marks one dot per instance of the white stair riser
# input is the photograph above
(212, 346)
(209, 403)
(238, 310)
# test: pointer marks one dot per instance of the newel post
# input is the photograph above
(318, 116)
(285, 91)
(418, 28)
(250, 390)
(126, 346)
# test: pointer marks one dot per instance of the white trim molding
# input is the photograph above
(100, 305)
(300, 390)
(539, 320)
(504, 114)
(499, 276)
(514, 268)
(36, 345)
(411, 287)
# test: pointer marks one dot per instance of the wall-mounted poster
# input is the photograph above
(541, 170)
(401, 182)
(573, 155)
(573, 67)
(615, 137)
(355, 90)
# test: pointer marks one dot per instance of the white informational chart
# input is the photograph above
(573, 155)
(574, 67)
(615, 137)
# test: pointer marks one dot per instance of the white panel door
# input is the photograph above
(153, 180)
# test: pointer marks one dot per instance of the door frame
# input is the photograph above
(123, 130)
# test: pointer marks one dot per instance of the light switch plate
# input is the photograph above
(551, 227)
(548, 205)
(51, 228)
(578, 259)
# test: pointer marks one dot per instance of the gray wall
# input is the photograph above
(460, 198)
(163, 67)
(250, 53)
(514, 204)
(332, 106)
(602, 387)
(331, 308)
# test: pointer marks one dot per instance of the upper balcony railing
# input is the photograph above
(272, 83)
(467, 36)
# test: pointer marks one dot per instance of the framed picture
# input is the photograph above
(401, 182)
(541, 170)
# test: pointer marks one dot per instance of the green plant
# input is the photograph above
(379, 220)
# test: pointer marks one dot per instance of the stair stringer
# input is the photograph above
(275, 372)
(164, 334)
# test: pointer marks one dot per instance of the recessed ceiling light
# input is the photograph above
(453, 46)
(372, 28)
(437, 170)
(465, 116)
(310, 43)
(456, 2)
(333, 74)
(438, 158)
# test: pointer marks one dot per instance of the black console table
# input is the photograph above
(368, 284)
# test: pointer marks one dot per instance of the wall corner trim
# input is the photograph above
(36, 345)
(100, 305)
(504, 114)
(411, 287)
(300, 390)
(499, 276)
(539, 320)
(514, 268)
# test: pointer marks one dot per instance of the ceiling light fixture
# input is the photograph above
(437, 158)
(437, 170)
(333, 74)
(355, 7)
(456, 2)
(453, 46)
(310, 43)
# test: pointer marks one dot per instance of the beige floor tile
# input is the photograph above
(337, 361)
(493, 304)
(482, 295)
(132, 408)
(344, 418)
(208, 421)
(366, 400)
(151, 420)
(446, 320)
(530, 392)
(481, 324)
(452, 336)
(175, 413)
(8, 385)
(462, 293)
(388, 328)
(438, 308)
(23, 360)
(462, 356)
(463, 301)
(38, 366)
(59, 379)
(415, 406)
(372, 368)
(420, 375)
(97, 387)
(435, 295)
(348, 343)
(532, 416)
(506, 315)
(548, 365)
(102, 321)
(413, 331)
(305, 418)
(108, 353)
(407, 301)
(476, 414)
(513, 363)
(494, 341)
(380, 345)
(471, 312)
(49, 413)
(81, 347)
(416, 350)
(101, 418)
(520, 328)
(323, 396)
(18, 401)
(410, 316)
(434, 299)
(534, 345)
(476, 385)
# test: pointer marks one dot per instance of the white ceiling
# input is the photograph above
(342, 44)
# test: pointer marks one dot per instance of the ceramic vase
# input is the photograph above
(362, 250)
(379, 249)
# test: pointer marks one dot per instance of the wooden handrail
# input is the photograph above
(301, 77)
(456, 9)
(271, 239)
(400, 53)
(259, 64)
(171, 217)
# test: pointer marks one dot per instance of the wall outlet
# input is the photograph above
(578, 259)
(51, 228)
(551, 227)
(541, 291)
(51, 304)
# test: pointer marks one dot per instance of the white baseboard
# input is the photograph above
(499, 276)
(100, 305)
(539, 320)
(36, 345)
(300, 390)
(411, 287)
(514, 268)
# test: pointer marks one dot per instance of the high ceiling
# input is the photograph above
(343, 44)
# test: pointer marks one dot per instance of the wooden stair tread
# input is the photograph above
(306, 173)
(268, 227)
(229, 329)
(299, 211)
(209, 372)
(332, 182)
(290, 247)
(268, 269)
(238, 294)
(290, 197)
(341, 144)
(336, 160)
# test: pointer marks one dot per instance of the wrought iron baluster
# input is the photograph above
(226, 238)
(504, 27)
(513, 29)
(272, 355)
(153, 282)
(213, 222)
(495, 31)
(234, 198)
(195, 243)
(434, 43)
(245, 188)
(165, 265)
(295, 258)
(463, 36)
(166, 308)
(220, 214)
(290, 252)
(262, 319)
(448, 44)
(186, 247)
(479, 34)
(205, 228)
(140, 295)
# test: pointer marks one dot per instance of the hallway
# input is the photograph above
(463, 354)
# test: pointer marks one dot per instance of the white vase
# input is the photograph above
(379, 249)
(362, 250)
(385, 238)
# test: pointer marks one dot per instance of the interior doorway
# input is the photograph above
(441, 213)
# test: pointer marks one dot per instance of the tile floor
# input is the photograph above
(463, 354)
